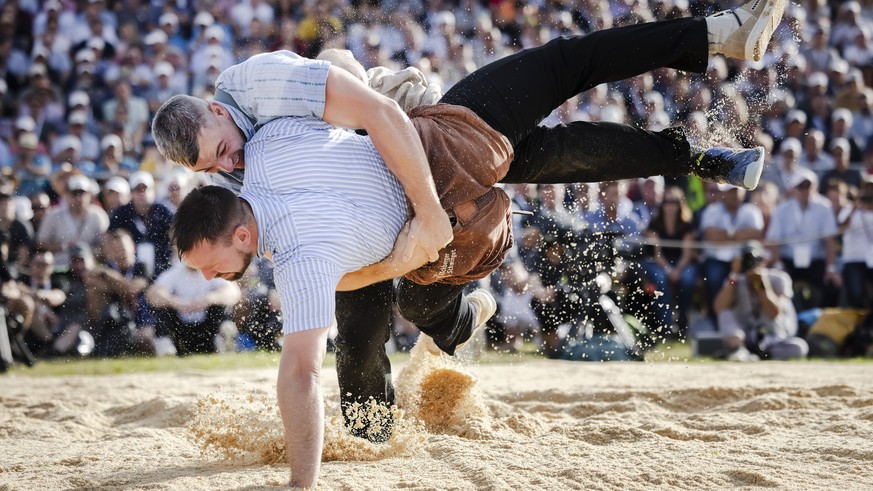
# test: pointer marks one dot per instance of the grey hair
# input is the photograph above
(176, 128)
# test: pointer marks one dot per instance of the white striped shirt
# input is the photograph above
(277, 84)
(325, 205)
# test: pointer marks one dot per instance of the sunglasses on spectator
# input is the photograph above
(671, 201)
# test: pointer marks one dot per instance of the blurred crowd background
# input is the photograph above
(86, 200)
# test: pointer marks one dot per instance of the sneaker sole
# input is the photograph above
(762, 31)
(754, 170)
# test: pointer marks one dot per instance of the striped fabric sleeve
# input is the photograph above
(307, 290)
(281, 83)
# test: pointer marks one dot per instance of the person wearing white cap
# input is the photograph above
(213, 47)
(848, 24)
(842, 121)
(813, 156)
(77, 123)
(24, 124)
(112, 160)
(795, 123)
(136, 108)
(75, 219)
(161, 90)
(31, 165)
(785, 164)
(66, 148)
(116, 192)
(147, 222)
(803, 228)
(156, 43)
(726, 223)
(244, 12)
(174, 189)
(54, 10)
(818, 52)
(840, 150)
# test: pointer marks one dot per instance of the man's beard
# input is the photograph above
(247, 259)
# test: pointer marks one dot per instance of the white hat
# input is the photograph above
(842, 113)
(796, 115)
(839, 65)
(40, 50)
(725, 187)
(78, 182)
(77, 117)
(52, 5)
(111, 140)
(79, 98)
(204, 19)
(169, 18)
(117, 184)
(817, 79)
(156, 37)
(25, 123)
(164, 68)
(96, 43)
(792, 144)
(37, 69)
(141, 177)
(28, 139)
(842, 143)
(67, 142)
(797, 61)
(86, 68)
(85, 56)
(802, 175)
(214, 32)
(213, 51)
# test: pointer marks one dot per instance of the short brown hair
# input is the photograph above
(209, 213)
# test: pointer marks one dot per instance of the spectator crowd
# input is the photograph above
(86, 200)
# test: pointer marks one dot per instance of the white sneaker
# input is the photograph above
(742, 354)
(485, 307)
(744, 33)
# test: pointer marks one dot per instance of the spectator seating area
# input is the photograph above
(86, 199)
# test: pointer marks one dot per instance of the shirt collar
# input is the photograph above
(241, 120)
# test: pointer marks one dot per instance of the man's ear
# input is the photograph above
(243, 235)
(217, 109)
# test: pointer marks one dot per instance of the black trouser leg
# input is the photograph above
(590, 152)
(515, 93)
(364, 372)
(438, 310)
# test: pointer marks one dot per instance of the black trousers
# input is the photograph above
(513, 95)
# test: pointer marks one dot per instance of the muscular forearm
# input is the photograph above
(395, 138)
(366, 276)
(389, 268)
(302, 409)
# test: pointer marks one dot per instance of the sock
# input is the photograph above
(722, 25)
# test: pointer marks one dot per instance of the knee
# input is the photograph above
(410, 308)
